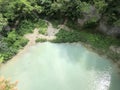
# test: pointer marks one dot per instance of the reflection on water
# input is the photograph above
(50, 66)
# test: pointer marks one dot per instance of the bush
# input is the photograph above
(42, 25)
(117, 23)
(66, 36)
(1, 58)
(42, 30)
(41, 40)
(14, 43)
(25, 27)
(99, 43)
(95, 40)
(91, 23)
(73, 25)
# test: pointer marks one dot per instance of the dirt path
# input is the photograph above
(51, 31)
(31, 38)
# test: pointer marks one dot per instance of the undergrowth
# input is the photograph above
(42, 25)
(41, 40)
(99, 42)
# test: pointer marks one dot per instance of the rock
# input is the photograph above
(88, 16)
(64, 27)
(109, 30)
(7, 28)
(115, 49)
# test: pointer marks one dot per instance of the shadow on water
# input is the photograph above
(115, 82)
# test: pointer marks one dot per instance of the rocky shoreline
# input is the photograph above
(102, 53)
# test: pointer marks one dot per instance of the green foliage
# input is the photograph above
(13, 9)
(72, 24)
(42, 25)
(85, 7)
(96, 40)
(28, 12)
(41, 40)
(14, 43)
(112, 14)
(117, 23)
(100, 5)
(42, 30)
(3, 22)
(72, 9)
(1, 58)
(25, 27)
(91, 23)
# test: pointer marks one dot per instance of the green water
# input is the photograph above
(50, 66)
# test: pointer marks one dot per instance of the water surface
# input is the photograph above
(49, 66)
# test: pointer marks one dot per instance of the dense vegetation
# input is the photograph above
(41, 40)
(18, 17)
(42, 26)
(101, 44)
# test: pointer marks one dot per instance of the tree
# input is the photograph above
(15, 10)
(3, 22)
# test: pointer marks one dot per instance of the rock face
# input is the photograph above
(88, 16)
(109, 30)
(102, 27)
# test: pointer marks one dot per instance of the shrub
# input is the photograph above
(1, 58)
(95, 40)
(42, 25)
(41, 40)
(117, 23)
(73, 25)
(98, 42)
(42, 30)
(25, 27)
(14, 43)
(91, 23)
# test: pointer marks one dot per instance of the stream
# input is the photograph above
(49, 66)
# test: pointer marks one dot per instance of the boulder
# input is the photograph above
(109, 30)
(115, 49)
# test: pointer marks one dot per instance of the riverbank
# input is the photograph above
(98, 43)
(102, 54)
(32, 37)
(92, 42)
(38, 63)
